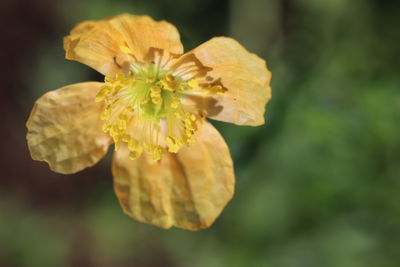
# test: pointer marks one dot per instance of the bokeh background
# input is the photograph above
(318, 185)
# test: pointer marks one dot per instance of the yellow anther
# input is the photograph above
(165, 84)
(150, 80)
(132, 144)
(156, 100)
(134, 155)
(193, 83)
(173, 144)
(144, 101)
(105, 115)
(155, 151)
(155, 88)
(178, 115)
(170, 141)
(170, 78)
(116, 90)
(119, 76)
(125, 138)
(169, 85)
(128, 80)
(193, 117)
(175, 103)
(189, 132)
(101, 95)
(109, 79)
(117, 145)
(122, 124)
(155, 94)
(122, 116)
(130, 109)
(114, 132)
(134, 148)
(106, 127)
(125, 49)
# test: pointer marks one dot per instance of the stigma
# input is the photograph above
(145, 108)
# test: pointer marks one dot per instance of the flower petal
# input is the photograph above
(104, 44)
(188, 189)
(245, 77)
(64, 128)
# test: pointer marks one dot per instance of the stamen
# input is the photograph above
(193, 83)
(155, 88)
(175, 103)
(144, 110)
(169, 85)
(155, 100)
(101, 95)
(105, 115)
(125, 49)
(170, 78)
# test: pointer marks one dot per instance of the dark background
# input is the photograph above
(318, 185)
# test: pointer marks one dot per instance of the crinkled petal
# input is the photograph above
(243, 74)
(65, 130)
(103, 44)
(188, 189)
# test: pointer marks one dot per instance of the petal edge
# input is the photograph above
(98, 44)
(245, 76)
(64, 128)
(188, 189)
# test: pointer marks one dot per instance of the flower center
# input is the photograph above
(144, 109)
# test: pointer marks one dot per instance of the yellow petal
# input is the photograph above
(245, 77)
(65, 130)
(188, 67)
(103, 44)
(188, 189)
(92, 43)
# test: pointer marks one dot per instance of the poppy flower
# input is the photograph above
(171, 167)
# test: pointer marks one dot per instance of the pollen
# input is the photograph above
(144, 110)
(193, 83)
(175, 103)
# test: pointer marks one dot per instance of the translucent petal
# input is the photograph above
(243, 74)
(65, 130)
(105, 44)
(188, 189)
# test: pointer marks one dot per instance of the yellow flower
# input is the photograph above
(171, 167)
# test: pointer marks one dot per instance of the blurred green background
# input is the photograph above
(318, 185)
